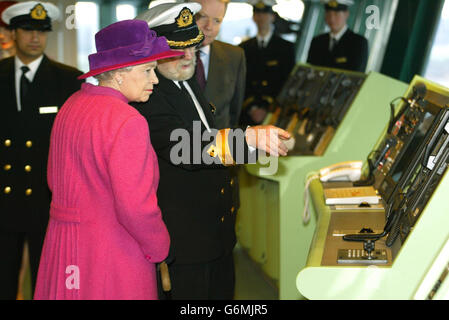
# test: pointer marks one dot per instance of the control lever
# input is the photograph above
(369, 246)
(369, 242)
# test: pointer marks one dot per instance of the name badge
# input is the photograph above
(341, 60)
(272, 63)
(45, 110)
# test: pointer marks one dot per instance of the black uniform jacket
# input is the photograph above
(350, 53)
(267, 68)
(24, 142)
(195, 197)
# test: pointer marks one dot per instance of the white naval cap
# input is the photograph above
(337, 5)
(31, 15)
(262, 5)
(175, 21)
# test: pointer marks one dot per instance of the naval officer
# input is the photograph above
(340, 48)
(269, 60)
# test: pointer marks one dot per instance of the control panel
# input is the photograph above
(408, 169)
(312, 104)
(425, 166)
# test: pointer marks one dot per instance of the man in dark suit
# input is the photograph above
(340, 48)
(194, 194)
(222, 65)
(32, 89)
(269, 60)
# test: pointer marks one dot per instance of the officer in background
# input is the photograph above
(7, 48)
(269, 60)
(32, 88)
(340, 48)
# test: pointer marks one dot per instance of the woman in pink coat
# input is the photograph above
(105, 232)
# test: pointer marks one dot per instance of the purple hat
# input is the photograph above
(127, 43)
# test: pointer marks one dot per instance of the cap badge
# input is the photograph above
(38, 12)
(260, 5)
(333, 4)
(185, 18)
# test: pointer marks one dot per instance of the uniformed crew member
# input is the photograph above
(195, 196)
(7, 48)
(340, 48)
(269, 60)
(32, 88)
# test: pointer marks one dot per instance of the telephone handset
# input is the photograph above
(343, 171)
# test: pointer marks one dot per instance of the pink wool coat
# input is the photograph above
(105, 232)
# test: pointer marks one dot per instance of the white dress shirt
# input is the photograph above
(337, 36)
(30, 75)
(265, 38)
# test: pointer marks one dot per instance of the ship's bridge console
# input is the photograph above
(334, 115)
(368, 249)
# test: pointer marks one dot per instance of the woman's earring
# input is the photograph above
(120, 81)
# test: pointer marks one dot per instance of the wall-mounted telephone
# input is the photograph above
(343, 171)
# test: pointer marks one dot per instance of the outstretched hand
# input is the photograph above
(268, 138)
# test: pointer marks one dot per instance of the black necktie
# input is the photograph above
(200, 74)
(261, 44)
(24, 84)
(200, 111)
(184, 90)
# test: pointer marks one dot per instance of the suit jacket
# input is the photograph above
(350, 53)
(225, 86)
(195, 198)
(267, 68)
(24, 138)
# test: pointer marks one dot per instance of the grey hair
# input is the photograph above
(109, 75)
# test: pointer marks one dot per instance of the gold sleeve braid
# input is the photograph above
(221, 148)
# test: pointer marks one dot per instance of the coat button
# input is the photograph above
(29, 144)
(8, 143)
(222, 219)
(7, 190)
(28, 168)
(232, 182)
(28, 192)
(222, 191)
(232, 210)
(7, 167)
